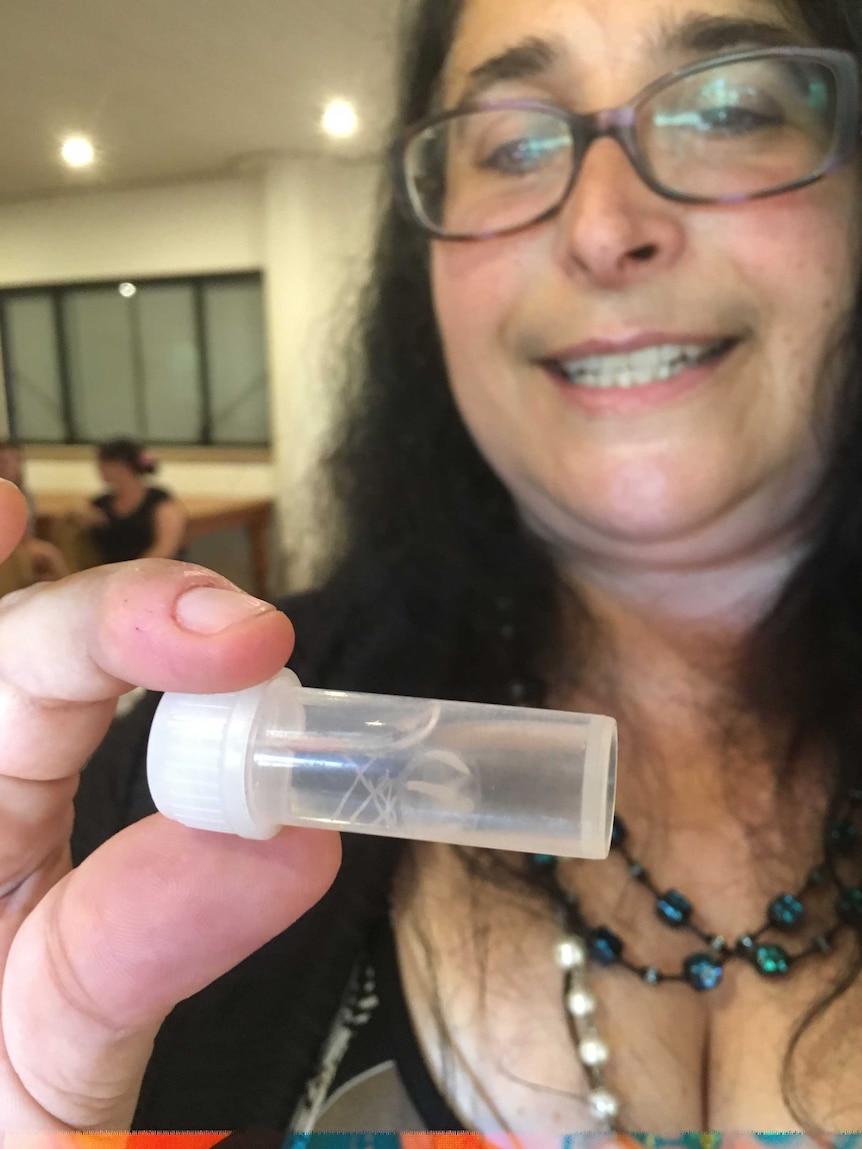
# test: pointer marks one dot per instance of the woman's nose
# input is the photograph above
(613, 229)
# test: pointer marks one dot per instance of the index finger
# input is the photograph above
(156, 623)
(69, 649)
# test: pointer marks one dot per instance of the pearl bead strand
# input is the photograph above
(571, 958)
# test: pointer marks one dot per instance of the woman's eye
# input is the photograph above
(720, 120)
(517, 156)
(735, 120)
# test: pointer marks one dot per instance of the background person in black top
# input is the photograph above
(604, 452)
(133, 519)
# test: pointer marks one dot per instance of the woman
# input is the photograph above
(638, 494)
(133, 519)
(44, 560)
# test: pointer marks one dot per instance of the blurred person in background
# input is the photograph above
(132, 519)
(45, 560)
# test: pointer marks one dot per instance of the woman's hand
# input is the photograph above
(93, 959)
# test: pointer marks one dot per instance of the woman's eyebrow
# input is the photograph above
(703, 34)
(523, 61)
(697, 33)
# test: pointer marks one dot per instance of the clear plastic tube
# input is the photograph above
(506, 777)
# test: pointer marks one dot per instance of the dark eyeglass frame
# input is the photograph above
(619, 124)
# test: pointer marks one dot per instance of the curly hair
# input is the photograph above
(423, 515)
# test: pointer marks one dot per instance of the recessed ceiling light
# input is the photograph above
(340, 120)
(127, 290)
(77, 151)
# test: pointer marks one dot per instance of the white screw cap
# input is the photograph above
(197, 760)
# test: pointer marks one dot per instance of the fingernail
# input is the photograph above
(210, 610)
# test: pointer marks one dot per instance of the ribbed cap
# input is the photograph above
(196, 760)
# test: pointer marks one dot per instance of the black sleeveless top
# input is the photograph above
(127, 536)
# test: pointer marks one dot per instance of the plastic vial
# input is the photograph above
(278, 754)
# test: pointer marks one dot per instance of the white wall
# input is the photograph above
(196, 227)
(232, 480)
(318, 222)
(305, 223)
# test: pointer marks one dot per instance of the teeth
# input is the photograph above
(636, 368)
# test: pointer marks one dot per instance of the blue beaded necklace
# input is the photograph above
(703, 969)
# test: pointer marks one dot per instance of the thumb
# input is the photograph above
(150, 918)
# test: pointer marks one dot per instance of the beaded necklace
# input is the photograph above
(583, 942)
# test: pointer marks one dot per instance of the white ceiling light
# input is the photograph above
(77, 151)
(127, 290)
(340, 120)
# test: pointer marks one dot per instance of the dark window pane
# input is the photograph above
(35, 372)
(170, 363)
(101, 357)
(236, 355)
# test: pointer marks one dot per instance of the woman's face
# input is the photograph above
(712, 465)
(113, 473)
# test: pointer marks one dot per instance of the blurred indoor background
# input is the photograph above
(183, 274)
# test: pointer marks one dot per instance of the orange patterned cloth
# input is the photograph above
(110, 1140)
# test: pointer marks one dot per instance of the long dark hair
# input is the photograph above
(430, 538)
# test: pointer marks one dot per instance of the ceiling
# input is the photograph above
(177, 89)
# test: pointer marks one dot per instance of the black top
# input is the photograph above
(127, 536)
(371, 1073)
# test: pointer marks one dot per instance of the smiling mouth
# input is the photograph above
(638, 368)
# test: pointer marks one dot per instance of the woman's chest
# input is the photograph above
(673, 1064)
(488, 1003)
(128, 509)
(757, 1055)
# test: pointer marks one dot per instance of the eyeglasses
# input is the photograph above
(733, 128)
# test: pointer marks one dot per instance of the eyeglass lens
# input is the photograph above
(734, 130)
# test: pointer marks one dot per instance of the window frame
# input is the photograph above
(55, 293)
